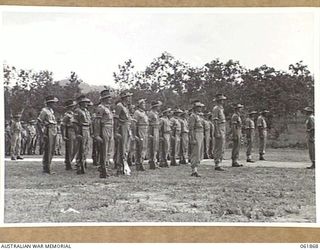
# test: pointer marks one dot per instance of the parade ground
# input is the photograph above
(280, 189)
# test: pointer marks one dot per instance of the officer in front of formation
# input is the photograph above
(140, 133)
(236, 125)
(196, 134)
(249, 129)
(82, 123)
(154, 124)
(48, 127)
(310, 135)
(103, 131)
(68, 133)
(219, 120)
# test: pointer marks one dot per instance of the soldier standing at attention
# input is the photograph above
(262, 130)
(207, 130)
(219, 120)
(32, 133)
(48, 126)
(58, 138)
(310, 135)
(154, 123)
(16, 129)
(132, 143)
(184, 138)
(82, 123)
(164, 134)
(122, 122)
(175, 136)
(24, 138)
(140, 134)
(249, 127)
(236, 125)
(211, 144)
(103, 131)
(196, 131)
(7, 138)
(68, 133)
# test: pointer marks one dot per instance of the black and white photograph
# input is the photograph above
(159, 115)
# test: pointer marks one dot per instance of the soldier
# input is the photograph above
(103, 131)
(95, 147)
(16, 129)
(184, 138)
(249, 128)
(196, 131)
(122, 121)
(68, 133)
(154, 123)
(219, 130)
(82, 123)
(48, 126)
(262, 130)
(24, 138)
(141, 133)
(7, 138)
(164, 135)
(32, 134)
(310, 135)
(211, 144)
(132, 147)
(207, 131)
(58, 138)
(236, 124)
(175, 136)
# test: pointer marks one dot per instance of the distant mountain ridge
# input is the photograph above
(85, 87)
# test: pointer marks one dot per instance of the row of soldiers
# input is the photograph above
(126, 134)
(23, 138)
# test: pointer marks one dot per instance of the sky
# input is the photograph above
(94, 42)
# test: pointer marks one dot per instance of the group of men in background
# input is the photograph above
(123, 134)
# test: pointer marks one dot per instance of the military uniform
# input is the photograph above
(211, 145)
(122, 120)
(262, 129)
(132, 142)
(310, 136)
(104, 129)
(48, 122)
(7, 139)
(184, 140)
(69, 134)
(196, 131)
(175, 138)
(236, 124)
(207, 131)
(164, 134)
(24, 140)
(82, 123)
(141, 134)
(154, 124)
(32, 134)
(58, 140)
(219, 133)
(16, 129)
(249, 128)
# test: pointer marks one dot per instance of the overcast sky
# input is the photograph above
(93, 44)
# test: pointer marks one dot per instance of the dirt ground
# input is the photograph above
(278, 192)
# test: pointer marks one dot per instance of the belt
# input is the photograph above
(106, 124)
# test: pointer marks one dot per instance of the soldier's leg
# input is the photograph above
(262, 146)
(18, 147)
(103, 153)
(311, 147)
(14, 142)
(197, 150)
(217, 150)
(177, 151)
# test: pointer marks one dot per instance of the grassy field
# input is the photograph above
(248, 194)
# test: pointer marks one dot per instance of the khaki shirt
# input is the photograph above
(141, 118)
(236, 124)
(184, 126)
(16, 127)
(206, 124)
(175, 125)
(67, 119)
(47, 117)
(310, 127)
(32, 130)
(104, 113)
(261, 122)
(153, 118)
(165, 125)
(218, 114)
(249, 124)
(82, 117)
(122, 113)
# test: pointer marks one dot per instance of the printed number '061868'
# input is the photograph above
(309, 246)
